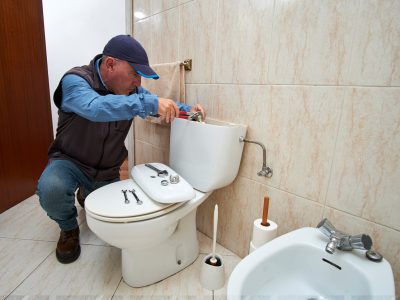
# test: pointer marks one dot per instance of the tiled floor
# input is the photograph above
(30, 270)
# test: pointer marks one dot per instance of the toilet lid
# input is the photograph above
(108, 203)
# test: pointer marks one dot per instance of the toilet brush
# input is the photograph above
(213, 259)
(212, 275)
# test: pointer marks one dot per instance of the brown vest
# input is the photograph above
(96, 147)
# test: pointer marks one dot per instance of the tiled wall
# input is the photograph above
(318, 82)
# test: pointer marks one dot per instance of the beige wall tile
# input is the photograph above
(385, 240)
(143, 7)
(244, 38)
(162, 5)
(160, 155)
(198, 42)
(311, 41)
(161, 136)
(144, 130)
(202, 94)
(206, 244)
(366, 170)
(142, 32)
(376, 47)
(291, 212)
(242, 104)
(143, 152)
(309, 119)
(165, 37)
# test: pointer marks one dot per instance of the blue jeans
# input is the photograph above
(56, 190)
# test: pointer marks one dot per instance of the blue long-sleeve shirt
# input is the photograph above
(80, 98)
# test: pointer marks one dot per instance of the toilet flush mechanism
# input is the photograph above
(265, 171)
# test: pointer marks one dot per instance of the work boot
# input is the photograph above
(80, 197)
(68, 247)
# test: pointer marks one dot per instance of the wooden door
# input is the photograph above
(25, 114)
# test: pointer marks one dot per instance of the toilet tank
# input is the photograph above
(206, 154)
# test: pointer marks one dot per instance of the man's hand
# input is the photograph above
(199, 108)
(167, 109)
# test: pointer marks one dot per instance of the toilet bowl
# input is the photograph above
(152, 218)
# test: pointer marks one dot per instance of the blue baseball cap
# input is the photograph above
(126, 48)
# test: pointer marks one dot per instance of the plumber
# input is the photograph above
(97, 103)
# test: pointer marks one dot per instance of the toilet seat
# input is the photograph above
(108, 204)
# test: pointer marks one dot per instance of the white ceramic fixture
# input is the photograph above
(296, 266)
(152, 218)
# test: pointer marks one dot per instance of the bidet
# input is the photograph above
(296, 264)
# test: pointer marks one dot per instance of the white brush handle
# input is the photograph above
(215, 228)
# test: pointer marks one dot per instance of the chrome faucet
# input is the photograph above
(342, 241)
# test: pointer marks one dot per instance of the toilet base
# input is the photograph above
(148, 266)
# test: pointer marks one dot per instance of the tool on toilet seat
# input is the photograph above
(138, 201)
(125, 196)
(160, 173)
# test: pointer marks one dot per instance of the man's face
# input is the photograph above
(123, 79)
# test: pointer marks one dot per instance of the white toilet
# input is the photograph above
(155, 225)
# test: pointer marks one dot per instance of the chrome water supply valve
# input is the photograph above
(265, 171)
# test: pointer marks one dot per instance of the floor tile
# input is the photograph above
(30, 269)
(96, 273)
(27, 220)
(18, 259)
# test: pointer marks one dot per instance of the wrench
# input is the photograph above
(138, 201)
(126, 197)
(160, 173)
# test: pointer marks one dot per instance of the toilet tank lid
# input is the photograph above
(170, 188)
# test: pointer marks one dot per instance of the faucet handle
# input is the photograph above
(361, 241)
(326, 227)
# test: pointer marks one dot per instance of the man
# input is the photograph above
(96, 105)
